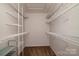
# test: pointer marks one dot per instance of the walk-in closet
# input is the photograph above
(39, 29)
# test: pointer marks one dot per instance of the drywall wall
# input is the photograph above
(66, 24)
(36, 26)
(9, 16)
(6, 30)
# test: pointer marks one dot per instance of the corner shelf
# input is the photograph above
(6, 50)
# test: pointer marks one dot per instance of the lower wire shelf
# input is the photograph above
(12, 53)
(7, 50)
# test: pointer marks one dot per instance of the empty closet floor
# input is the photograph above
(38, 51)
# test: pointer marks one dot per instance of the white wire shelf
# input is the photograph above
(12, 36)
(6, 50)
(14, 25)
(64, 11)
(66, 38)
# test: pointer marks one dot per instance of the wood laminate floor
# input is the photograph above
(38, 51)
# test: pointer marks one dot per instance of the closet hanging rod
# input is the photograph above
(69, 8)
(17, 11)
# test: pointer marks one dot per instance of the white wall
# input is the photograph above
(67, 24)
(36, 26)
(6, 30)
